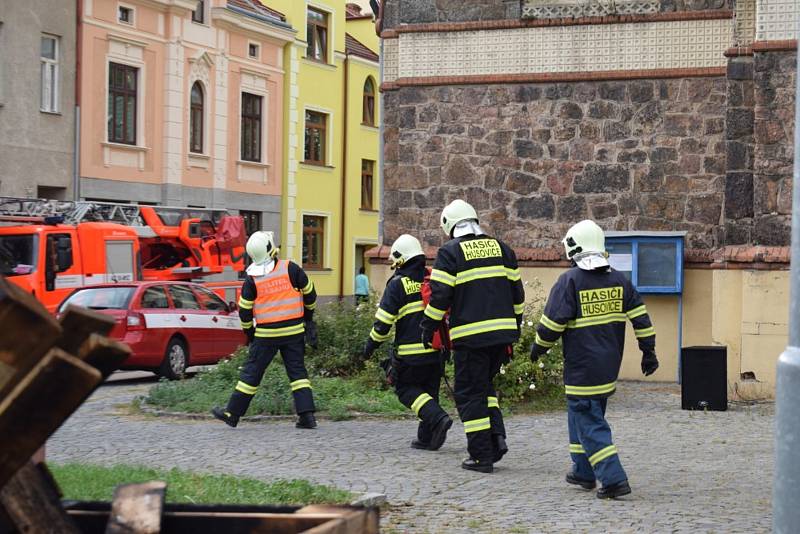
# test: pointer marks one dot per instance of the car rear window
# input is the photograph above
(101, 298)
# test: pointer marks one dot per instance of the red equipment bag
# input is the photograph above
(441, 338)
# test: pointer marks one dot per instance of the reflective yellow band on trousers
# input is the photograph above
(246, 388)
(279, 332)
(576, 448)
(246, 324)
(602, 454)
(476, 425)
(591, 390)
(311, 306)
(493, 402)
(413, 348)
(471, 329)
(434, 313)
(551, 324)
(636, 312)
(645, 332)
(300, 384)
(419, 402)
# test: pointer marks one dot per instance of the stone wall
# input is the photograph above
(774, 81)
(535, 158)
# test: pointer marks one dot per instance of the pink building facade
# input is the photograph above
(181, 103)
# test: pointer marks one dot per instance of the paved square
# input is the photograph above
(690, 472)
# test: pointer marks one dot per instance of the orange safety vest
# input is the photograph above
(276, 299)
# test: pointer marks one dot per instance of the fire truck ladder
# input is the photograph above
(33, 209)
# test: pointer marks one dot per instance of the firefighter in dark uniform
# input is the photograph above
(589, 306)
(477, 279)
(417, 368)
(276, 309)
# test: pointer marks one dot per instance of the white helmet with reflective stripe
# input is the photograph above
(261, 247)
(584, 237)
(454, 213)
(403, 249)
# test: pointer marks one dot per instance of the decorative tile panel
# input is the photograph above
(559, 9)
(776, 20)
(390, 59)
(744, 23)
(560, 49)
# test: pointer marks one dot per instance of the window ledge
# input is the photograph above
(320, 64)
(368, 210)
(198, 155)
(257, 164)
(123, 146)
(317, 166)
(48, 112)
(370, 127)
(199, 160)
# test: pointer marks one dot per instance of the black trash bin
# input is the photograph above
(704, 378)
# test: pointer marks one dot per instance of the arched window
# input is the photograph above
(368, 115)
(196, 119)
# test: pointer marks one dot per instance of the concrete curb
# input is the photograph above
(370, 499)
(149, 410)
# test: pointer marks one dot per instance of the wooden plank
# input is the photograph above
(349, 521)
(39, 404)
(137, 508)
(28, 333)
(31, 502)
(78, 324)
(104, 354)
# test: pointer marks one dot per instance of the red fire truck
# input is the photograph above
(50, 247)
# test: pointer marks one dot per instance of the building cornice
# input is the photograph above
(165, 5)
(235, 22)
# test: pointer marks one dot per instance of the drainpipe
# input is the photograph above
(76, 167)
(344, 176)
(785, 507)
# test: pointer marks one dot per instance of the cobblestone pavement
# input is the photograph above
(690, 472)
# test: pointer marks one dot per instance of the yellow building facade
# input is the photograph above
(331, 194)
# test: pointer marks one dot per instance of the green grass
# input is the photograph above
(338, 397)
(94, 483)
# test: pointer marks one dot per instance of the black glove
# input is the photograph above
(369, 348)
(427, 337)
(537, 351)
(649, 363)
(311, 334)
(251, 334)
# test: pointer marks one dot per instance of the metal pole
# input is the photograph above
(786, 499)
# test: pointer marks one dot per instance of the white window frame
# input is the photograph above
(206, 14)
(330, 17)
(328, 136)
(132, 9)
(49, 67)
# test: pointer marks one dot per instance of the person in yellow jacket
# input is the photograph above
(276, 309)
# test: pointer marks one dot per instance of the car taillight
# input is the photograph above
(135, 321)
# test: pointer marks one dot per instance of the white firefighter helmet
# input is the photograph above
(454, 213)
(403, 249)
(584, 237)
(261, 247)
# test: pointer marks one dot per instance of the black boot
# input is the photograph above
(614, 490)
(439, 433)
(582, 482)
(225, 416)
(417, 444)
(472, 464)
(306, 420)
(499, 447)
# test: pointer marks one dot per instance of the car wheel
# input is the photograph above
(176, 359)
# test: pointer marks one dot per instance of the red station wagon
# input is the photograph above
(168, 325)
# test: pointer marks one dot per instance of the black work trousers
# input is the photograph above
(476, 398)
(417, 387)
(262, 351)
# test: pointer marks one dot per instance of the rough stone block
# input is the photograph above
(738, 195)
(598, 178)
